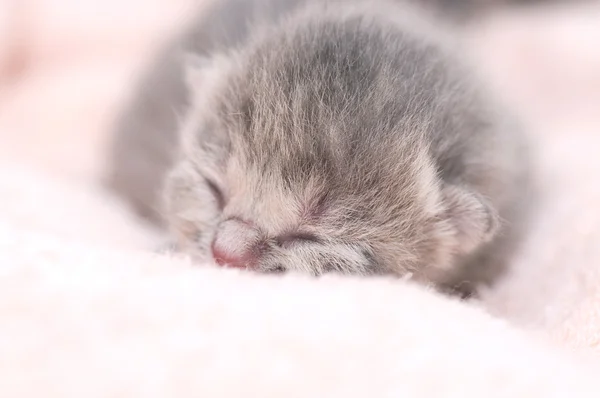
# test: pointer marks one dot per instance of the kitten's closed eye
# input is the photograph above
(216, 192)
(293, 238)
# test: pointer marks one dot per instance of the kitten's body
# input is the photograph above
(338, 135)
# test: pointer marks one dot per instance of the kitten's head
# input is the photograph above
(288, 164)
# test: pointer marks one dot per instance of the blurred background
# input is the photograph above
(67, 65)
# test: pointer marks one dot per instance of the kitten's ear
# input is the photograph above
(474, 220)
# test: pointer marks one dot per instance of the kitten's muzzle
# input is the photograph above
(236, 244)
(241, 244)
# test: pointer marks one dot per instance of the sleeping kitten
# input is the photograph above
(325, 136)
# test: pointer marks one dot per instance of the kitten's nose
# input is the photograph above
(230, 259)
(235, 244)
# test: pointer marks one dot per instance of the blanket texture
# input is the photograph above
(86, 310)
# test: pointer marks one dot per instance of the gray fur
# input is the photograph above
(327, 135)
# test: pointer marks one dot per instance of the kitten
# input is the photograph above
(325, 136)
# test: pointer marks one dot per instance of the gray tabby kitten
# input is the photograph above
(324, 136)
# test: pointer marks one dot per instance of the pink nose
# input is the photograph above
(230, 259)
(235, 244)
